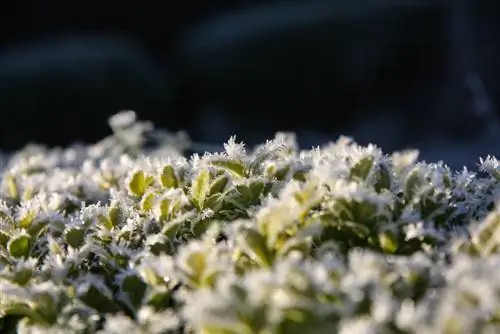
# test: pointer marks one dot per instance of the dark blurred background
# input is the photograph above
(402, 74)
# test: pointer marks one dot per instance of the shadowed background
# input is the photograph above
(401, 74)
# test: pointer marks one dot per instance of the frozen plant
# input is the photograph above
(128, 237)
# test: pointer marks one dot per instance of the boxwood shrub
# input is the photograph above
(127, 237)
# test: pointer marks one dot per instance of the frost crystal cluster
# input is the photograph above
(121, 237)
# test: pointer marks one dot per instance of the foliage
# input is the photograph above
(120, 238)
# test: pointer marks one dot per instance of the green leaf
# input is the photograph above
(26, 220)
(23, 276)
(28, 194)
(251, 191)
(5, 259)
(214, 327)
(12, 188)
(6, 217)
(235, 167)
(46, 304)
(235, 199)
(114, 214)
(255, 245)
(357, 229)
(4, 238)
(164, 209)
(256, 188)
(55, 247)
(200, 189)
(20, 246)
(75, 236)
(168, 177)
(24, 310)
(161, 245)
(112, 219)
(343, 210)
(364, 211)
(215, 202)
(105, 222)
(199, 227)
(412, 183)
(281, 173)
(245, 191)
(219, 184)
(171, 228)
(150, 276)
(303, 245)
(388, 242)
(300, 176)
(383, 178)
(268, 172)
(362, 169)
(147, 202)
(487, 231)
(429, 206)
(38, 228)
(196, 263)
(159, 299)
(135, 288)
(175, 207)
(137, 184)
(98, 300)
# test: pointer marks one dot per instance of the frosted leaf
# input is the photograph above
(234, 150)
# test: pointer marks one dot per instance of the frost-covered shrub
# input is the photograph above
(121, 238)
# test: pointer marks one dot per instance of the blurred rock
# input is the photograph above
(155, 24)
(58, 91)
(324, 66)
